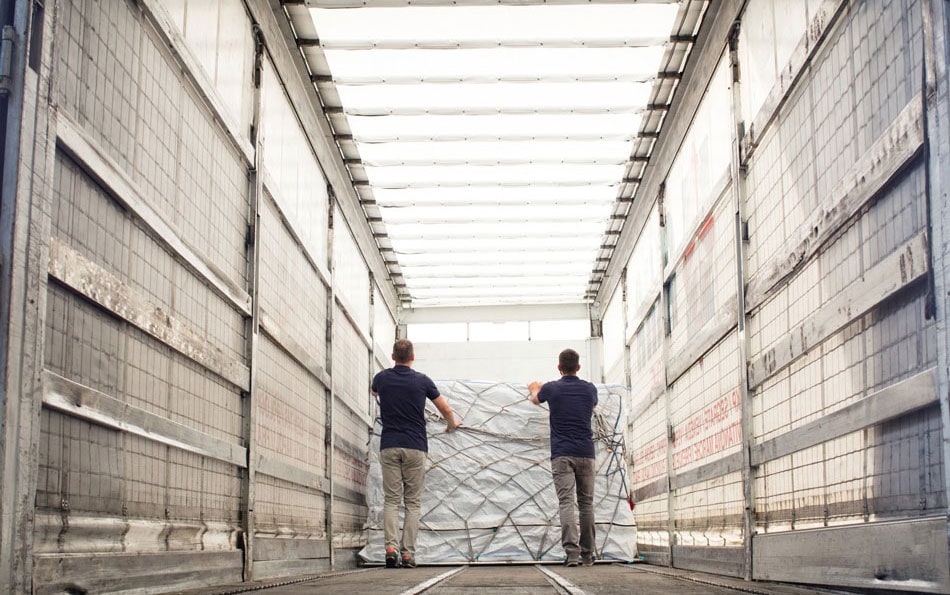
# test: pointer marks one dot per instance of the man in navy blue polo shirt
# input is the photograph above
(403, 446)
(571, 402)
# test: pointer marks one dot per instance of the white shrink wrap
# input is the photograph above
(489, 496)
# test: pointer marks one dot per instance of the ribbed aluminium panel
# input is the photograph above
(705, 409)
(351, 275)
(350, 466)
(212, 206)
(287, 509)
(648, 438)
(844, 478)
(92, 222)
(160, 113)
(647, 366)
(772, 187)
(384, 328)
(702, 162)
(298, 184)
(351, 369)
(146, 371)
(84, 344)
(160, 160)
(349, 520)
(703, 287)
(146, 473)
(199, 400)
(219, 34)
(648, 409)
(653, 529)
(887, 62)
(648, 446)
(644, 272)
(613, 334)
(905, 466)
(97, 67)
(825, 128)
(290, 410)
(92, 480)
(292, 293)
(709, 513)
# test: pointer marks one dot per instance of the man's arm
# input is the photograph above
(443, 406)
(533, 389)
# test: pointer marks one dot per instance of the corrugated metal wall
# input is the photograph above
(195, 316)
(210, 310)
(811, 421)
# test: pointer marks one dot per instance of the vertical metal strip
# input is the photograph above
(253, 247)
(666, 324)
(372, 352)
(627, 371)
(737, 173)
(595, 345)
(936, 30)
(27, 192)
(330, 443)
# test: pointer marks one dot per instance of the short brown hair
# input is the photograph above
(402, 351)
(569, 361)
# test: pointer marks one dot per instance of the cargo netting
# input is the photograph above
(489, 496)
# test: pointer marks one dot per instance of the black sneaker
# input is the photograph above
(392, 558)
(571, 561)
(587, 560)
(408, 562)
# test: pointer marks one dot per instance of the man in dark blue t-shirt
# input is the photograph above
(403, 446)
(571, 402)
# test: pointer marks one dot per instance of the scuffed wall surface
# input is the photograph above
(829, 380)
(179, 421)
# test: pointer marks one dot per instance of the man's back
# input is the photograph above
(402, 401)
(571, 402)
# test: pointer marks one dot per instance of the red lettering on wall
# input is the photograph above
(714, 429)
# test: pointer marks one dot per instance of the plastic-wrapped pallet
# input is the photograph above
(489, 496)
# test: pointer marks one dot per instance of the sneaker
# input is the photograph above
(392, 559)
(587, 560)
(571, 561)
(408, 562)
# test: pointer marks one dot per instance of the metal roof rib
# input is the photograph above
(496, 146)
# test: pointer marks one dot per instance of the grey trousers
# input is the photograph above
(575, 474)
(404, 475)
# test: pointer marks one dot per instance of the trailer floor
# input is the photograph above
(601, 579)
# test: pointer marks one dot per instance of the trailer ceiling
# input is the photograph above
(496, 146)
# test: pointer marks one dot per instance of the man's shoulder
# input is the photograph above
(416, 373)
(586, 383)
(418, 378)
(574, 381)
(583, 386)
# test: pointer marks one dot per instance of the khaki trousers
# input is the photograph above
(404, 475)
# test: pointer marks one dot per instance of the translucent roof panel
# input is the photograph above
(475, 175)
(527, 64)
(540, 195)
(493, 140)
(511, 213)
(475, 99)
(529, 127)
(650, 23)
